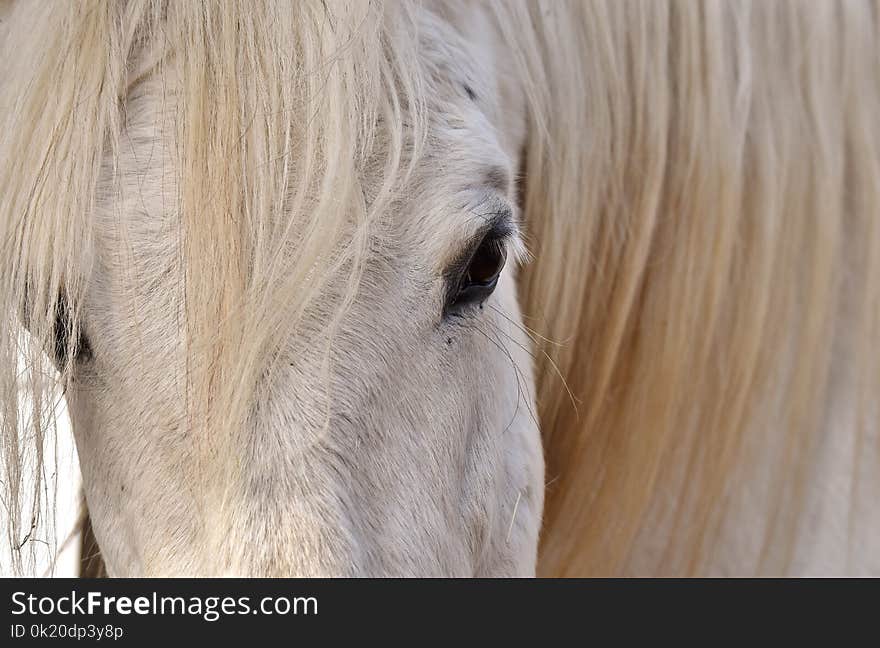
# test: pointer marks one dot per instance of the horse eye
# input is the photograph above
(483, 270)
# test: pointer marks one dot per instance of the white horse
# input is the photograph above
(269, 252)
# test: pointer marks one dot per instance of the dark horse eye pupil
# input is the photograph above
(487, 262)
(481, 277)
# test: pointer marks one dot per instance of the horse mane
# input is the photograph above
(703, 191)
(700, 190)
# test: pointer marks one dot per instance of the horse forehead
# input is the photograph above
(466, 150)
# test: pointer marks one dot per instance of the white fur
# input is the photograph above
(431, 464)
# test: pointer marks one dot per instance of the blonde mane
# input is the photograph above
(708, 257)
(701, 193)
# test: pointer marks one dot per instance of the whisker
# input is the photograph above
(519, 390)
(571, 396)
(519, 373)
(513, 517)
(531, 333)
